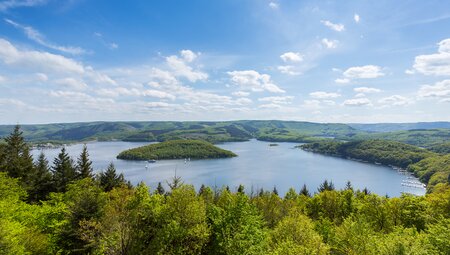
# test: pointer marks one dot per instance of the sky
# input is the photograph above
(352, 61)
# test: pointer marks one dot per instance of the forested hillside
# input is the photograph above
(216, 132)
(429, 166)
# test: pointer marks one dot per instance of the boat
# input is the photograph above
(151, 161)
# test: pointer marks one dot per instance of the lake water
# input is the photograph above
(258, 165)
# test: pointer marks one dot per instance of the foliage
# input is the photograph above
(176, 149)
(109, 179)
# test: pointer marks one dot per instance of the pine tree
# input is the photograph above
(326, 186)
(63, 170)
(110, 179)
(348, 186)
(160, 189)
(17, 160)
(275, 191)
(202, 189)
(84, 164)
(176, 182)
(42, 180)
(240, 189)
(304, 191)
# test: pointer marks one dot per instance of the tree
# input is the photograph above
(275, 191)
(84, 164)
(240, 189)
(42, 180)
(17, 160)
(304, 191)
(160, 189)
(326, 186)
(110, 179)
(63, 170)
(348, 186)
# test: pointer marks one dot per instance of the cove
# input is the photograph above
(257, 166)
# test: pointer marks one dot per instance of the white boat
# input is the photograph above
(151, 161)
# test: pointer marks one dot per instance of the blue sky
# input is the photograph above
(322, 61)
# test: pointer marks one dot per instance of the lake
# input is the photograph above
(258, 165)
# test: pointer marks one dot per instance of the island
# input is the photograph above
(176, 149)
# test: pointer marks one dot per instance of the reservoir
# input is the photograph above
(257, 166)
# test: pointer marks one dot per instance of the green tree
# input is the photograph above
(63, 171)
(17, 160)
(109, 179)
(295, 235)
(41, 184)
(160, 189)
(326, 186)
(237, 227)
(84, 164)
(304, 191)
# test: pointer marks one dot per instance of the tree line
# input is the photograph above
(86, 217)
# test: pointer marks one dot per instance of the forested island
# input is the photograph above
(64, 208)
(176, 149)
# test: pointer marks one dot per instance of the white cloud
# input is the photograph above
(270, 106)
(42, 77)
(254, 81)
(180, 68)
(440, 90)
(435, 64)
(277, 100)
(356, 18)
(37, 60)
(37, 37)
(273, 5)
(291, 57)
(288, 70)
(72, 83)
(311, 104)
(333, 26)
(10, 4)
(240, 93)
(324, 95)
(121, 91)
(2, 79)
(342, 80)
(366, 90)
(188, 55)
(409, 71)
(363, 72)
(330, 44)
(357, 102)
(360, 95)
(395, 100)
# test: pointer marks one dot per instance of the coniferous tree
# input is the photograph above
(304, 191)
(348, 186)
(275, 191)
(160, 189)
(110, 179)
(202, 189)
(42, 180)
(326, 186)
(240, 189)
(84, 164)
(17, 160)
(63, 170)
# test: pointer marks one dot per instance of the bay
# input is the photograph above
(257, 166)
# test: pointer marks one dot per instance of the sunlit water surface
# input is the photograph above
(258, 165)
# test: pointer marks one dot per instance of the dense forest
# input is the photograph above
(176, 149)
(430, 167)
(67, 209)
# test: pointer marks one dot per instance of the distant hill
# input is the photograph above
(389, 127)
(227, 131)
(168, 130)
